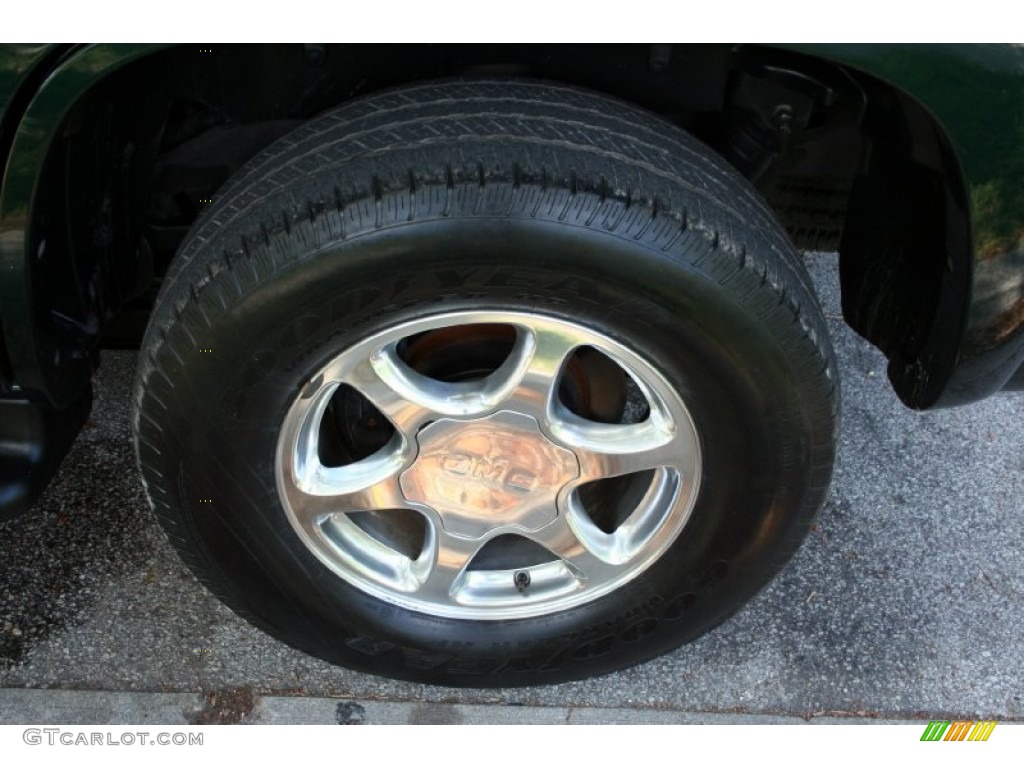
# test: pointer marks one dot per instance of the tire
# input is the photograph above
(539, 324)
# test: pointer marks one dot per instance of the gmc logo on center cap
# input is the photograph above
(493, 470)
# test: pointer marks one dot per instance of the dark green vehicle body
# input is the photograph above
(907, 159)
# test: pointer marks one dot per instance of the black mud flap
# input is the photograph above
(33, 441)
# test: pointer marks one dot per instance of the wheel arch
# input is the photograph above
(862, 144)
(47, 319)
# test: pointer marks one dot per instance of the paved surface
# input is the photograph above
(906, 600)
(21, 706)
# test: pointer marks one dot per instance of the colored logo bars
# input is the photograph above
(958, 730)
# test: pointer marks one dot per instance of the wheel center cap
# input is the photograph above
(484, 474)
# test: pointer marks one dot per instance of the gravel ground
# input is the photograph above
(906, 600)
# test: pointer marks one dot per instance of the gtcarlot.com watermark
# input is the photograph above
(70, 737)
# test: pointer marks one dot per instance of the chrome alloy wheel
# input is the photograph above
(492, 463)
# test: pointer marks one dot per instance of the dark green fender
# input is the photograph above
(976, 93)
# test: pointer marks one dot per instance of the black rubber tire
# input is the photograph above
(509, 195)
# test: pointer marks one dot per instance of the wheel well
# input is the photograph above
(845, 160)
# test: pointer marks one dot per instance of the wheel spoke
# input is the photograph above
(562, 538)
(363, 486)
(611, 450)
(445, 559)
(407, 399)
(534, 366)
